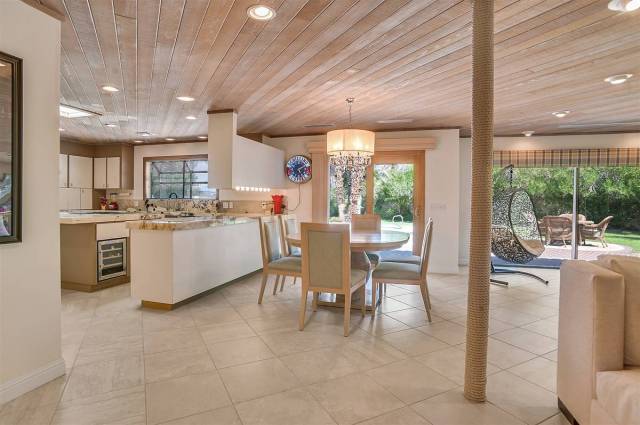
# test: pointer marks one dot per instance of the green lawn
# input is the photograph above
(624, 237)
(398, 225)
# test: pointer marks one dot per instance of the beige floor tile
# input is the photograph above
(528, 402)
(288, 342)
(553, 356)
(381, 324)
(263, 325)
(547, 327)
(404, 416)
(175, 363)
(161, 321)
(527, 340)
(539, 371)
(413, 342)
(446, 331)
(411, 381)
(495, 325)
(226, 332)
(320, 365)
(109, 408)
(452, 408)
(292, 407)
(104, 377)
(238, 351)
(448, 311)
(222, 416)
(534, 309)
(450, 362)
(36, 416)
(354, 398)
(413, 317)
(122, 347)
(172, 339)
(558, 419)
(214, 315)
(514, 317)
(504, 355)
(184, 396)
(402, 302)
(258, 379)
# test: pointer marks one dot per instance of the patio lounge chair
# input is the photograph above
(596, 231)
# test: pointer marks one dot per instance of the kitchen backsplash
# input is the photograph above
(199, 205)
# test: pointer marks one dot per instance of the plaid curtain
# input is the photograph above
(613, 157)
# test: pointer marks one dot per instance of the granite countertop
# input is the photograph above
(185, 223)
(88, 217)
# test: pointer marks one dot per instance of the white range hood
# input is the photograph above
(236, 162)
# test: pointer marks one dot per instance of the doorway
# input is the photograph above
(395, 191)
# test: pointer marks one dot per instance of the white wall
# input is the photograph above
(30, 271)
(591, 141)
(178, 149)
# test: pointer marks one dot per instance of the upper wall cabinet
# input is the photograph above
(63, 170)
(113, 172)
(80, 172)
(100, 173)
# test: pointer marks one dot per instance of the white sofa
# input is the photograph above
(599, 341)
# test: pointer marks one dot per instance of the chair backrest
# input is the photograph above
(558, 224)
(581, 217)
(366, 223)
(605, 223)
(289, 223)
(326, 256)
(270, 236)
(426, 249)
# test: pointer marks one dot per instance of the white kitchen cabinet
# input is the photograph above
(63, 170)
(86, 199)
(113, 172)
(69, 198)
(100, 173)
(80, 172)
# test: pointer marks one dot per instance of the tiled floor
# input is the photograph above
(226, 360)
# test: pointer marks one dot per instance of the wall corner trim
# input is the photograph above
(44, 9)
(23, 384)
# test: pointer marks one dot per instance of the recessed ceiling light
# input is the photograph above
(624, 5)
(144, 134)
(1, 65)
(261, 12)
(169, 139)
(395, 121)
(528, 133)
(618, 79)
(190, 117)
(111, 125)
(202, 137)
(560, 114)
(186, 98)
(138, 141)
(110, 89)
(61, 129)
(73, 112)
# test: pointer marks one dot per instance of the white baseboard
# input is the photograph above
(23, 384)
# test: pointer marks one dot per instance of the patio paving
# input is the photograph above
(585, 252)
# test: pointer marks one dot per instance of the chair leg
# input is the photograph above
(374, 290)
(282, 283)
(303, 309)
(347, 313)
(384, 288)
(425, 299)
(314, 304)
(265, 276)
(364, 299)
(275, 285)
(294, 280)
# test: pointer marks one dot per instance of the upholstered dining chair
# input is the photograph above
(273, 260)
(368, 223)
(289, 225)
(407, 273)
(326, 267)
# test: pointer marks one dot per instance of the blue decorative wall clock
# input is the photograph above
(298, 169)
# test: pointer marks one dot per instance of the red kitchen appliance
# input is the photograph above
(277, 203)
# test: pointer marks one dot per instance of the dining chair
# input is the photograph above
(289, 225)
(407, 273)
(273, 260)
(368, 223)
(326, 267)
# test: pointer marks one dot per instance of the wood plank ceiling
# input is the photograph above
(407, 60)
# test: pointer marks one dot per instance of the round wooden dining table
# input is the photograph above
(385, 240)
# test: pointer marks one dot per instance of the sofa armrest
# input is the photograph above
(591, 332)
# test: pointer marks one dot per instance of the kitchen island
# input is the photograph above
(174, 260)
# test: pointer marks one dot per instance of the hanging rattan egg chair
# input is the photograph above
(515, 235)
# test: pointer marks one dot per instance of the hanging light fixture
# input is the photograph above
(349, 146)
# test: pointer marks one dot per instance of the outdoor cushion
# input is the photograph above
(410, 259)
(292, 264)
(629, 267)
(400, 271)
(618, 393)
(357, 276)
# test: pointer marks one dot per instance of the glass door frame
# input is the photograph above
(417, 158)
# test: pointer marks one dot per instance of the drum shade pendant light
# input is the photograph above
(350, 147)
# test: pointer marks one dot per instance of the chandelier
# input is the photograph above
(350, 151)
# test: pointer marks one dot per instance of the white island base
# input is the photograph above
(175, 261)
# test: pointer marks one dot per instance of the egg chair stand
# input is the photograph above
(515, 234)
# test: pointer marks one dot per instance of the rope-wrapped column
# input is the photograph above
(475, 380)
